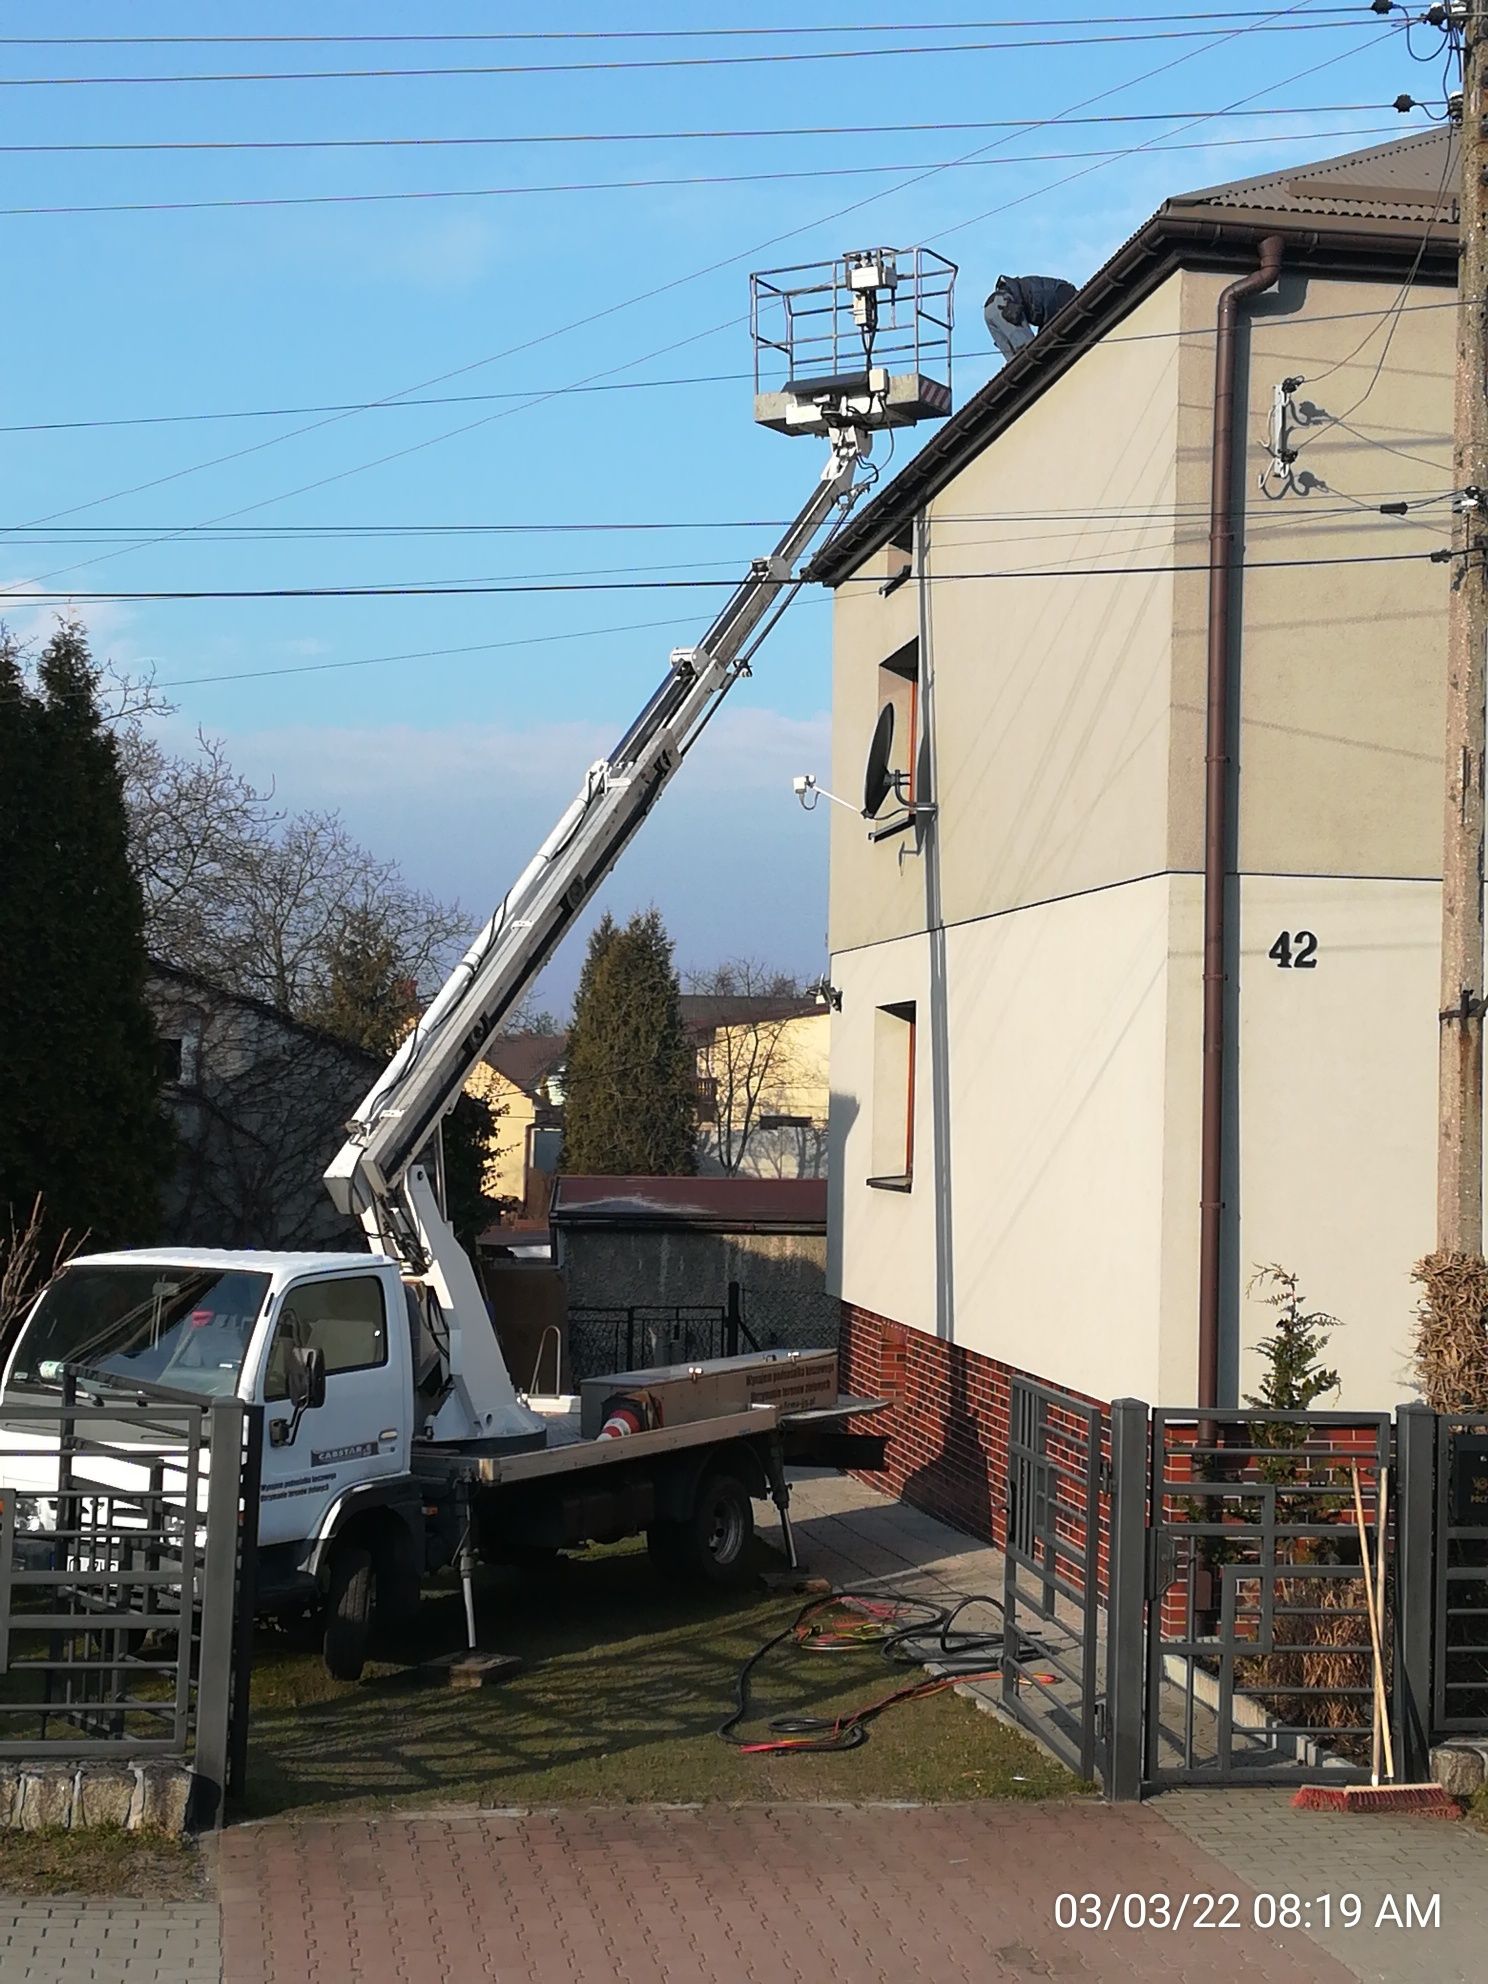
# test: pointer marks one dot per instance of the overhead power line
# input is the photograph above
(611, 386)
(416, 654)
(611, 34)
(651, 184)
(464, 588)
(432, 654)
(436, 141)
(1271, 24)
(1143, 516)
(611, 309)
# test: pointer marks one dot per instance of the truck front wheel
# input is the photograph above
(711, 1544)
(348, 1617)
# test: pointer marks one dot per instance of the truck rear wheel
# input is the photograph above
(710, 1545)
(348, 1620)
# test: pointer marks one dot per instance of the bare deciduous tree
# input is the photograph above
(748, 1061)
(256, 899)
(27, 1265)
(197, 829)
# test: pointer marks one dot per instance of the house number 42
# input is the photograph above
(1295, 950)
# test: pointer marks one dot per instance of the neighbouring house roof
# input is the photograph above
(195, 981)
(706, 1205)
(1411, 179)
(704, 1012)
(1384, 213)
(526, 1059)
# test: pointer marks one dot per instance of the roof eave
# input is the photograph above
(1177, 236)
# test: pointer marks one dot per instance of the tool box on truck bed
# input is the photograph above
(678, 1394)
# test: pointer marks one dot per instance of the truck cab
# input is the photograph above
(324, 1342)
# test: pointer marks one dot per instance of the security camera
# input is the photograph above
(802, 784)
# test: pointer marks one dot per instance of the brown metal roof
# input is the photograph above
(1381, 214)
(525, 1058)
(718, 1205)
(1411, 179)
(703, 1012)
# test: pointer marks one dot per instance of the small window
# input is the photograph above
(900, 559)
(899, 686)
(707, 1098)
(176, 1058)
(344, 1318)
(892, 1126)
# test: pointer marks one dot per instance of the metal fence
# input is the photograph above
(1184, 1590)
(635, 1338)
(1460, 1607)
(127, 1549)
(1057, 1479)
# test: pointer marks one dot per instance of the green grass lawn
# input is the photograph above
(102, 1860)
(625, 1682)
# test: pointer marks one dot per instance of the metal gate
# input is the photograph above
(1184, 1594)
(1058, 1503)
(1258, 1665)
(1460, 1597)
(126, 1584)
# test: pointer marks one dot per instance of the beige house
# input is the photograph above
(762, 1084)
(1019, 1112)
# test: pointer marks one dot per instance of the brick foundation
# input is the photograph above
(948, 1419)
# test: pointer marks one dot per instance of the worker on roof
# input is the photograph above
(1022, 305)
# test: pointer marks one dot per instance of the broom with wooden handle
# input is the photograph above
(1374, 1598)
(1424, 1800)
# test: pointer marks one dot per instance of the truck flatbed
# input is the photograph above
(568, 1452)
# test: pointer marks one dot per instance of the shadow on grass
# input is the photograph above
(625, 1682)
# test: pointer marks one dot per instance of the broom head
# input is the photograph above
(1425, 1801)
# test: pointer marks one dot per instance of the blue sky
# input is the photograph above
(456, 765)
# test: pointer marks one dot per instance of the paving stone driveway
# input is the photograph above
(781, 1895)
(761, 1895)
(65, 1941)
(790, 1894)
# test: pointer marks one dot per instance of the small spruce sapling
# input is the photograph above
(1295, 1378)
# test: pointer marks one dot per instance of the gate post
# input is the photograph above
(1126, 1610)
(219, 1582)
(1415, 1585)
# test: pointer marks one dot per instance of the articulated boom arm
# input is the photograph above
(374, 1174)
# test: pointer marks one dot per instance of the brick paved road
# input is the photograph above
(66, 1941)
(718, 1896)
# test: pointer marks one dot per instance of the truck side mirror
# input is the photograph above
(305, 1383)
(305, 1375)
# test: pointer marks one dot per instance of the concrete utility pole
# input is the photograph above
(1459, 1188)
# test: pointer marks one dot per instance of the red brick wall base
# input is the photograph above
(948, 1418)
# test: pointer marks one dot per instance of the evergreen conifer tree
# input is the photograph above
(630, 1083)
(80, 1077)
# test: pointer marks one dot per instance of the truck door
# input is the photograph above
(360, 1431)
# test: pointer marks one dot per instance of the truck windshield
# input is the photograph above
(184, 1329)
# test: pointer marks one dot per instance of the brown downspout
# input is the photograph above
(1217, 808)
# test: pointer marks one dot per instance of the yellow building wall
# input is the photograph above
(792, 1063)
(505, 1174)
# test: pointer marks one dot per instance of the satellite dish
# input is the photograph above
(878, 780)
